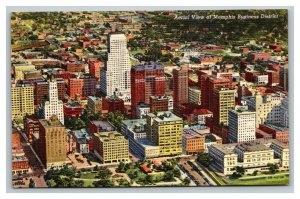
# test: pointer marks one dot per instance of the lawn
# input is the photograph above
(88, 175)
(263, 180)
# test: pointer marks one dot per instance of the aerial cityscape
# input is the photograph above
(166, 98)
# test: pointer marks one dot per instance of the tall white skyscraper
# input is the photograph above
(53, 106)
(115, 76)
(241, 124)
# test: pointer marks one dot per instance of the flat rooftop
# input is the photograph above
(165, 116)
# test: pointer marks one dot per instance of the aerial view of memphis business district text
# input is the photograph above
(149, 98)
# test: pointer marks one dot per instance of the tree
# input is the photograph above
(31, 183)
(104, 173)
(203, 159)
(186, 181)
(240, 170)
(169, 176)
(103, 183)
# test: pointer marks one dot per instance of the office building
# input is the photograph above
(22, 100)
(158, 104)
(165, 130)
(19, 70)
(146, 80)
(115, 76)
(241, 124)
(111, 147)
(268, 107)
(284, 77)
(53, 106)
(95, 104)
(194, 95)
(51, 144)
(180, 86)
(252, 156)
(83, 86)
(222, 101)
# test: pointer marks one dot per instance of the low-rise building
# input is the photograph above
(252, 156)
(142, 110)
(139, 145)
(159, 103)
(94, 104)
(192, 142)
(83, 140)
(97, 126)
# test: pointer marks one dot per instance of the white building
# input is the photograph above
(170, 103)
(268, 107)
(261, 79)
(252, 156)
(284, 116)
(194, 95)
(53, 106)
(241, 124)
(142, 110)
(115, 76)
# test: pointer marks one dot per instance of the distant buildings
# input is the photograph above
(146, 81)
(53, 106)
(19, 70)
(165, 130)
(252, 156)
(115, 76)
(255, 56)
(22, 101)
(241, 124)
(111, 147)
(51, 146)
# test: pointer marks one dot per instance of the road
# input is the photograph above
(194, 175)
(35, 164)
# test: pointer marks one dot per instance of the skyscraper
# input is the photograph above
(22, 100)
(241, 124)
(180, 86)
(53, 106)
(146, 81)
(222, 101)
(51, 143)
(115, 76)
(283, 77)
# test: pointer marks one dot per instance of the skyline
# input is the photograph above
(186, 81)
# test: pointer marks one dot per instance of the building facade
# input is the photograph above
(22, 100)
(146, 81)
(115, 76)
(241, 124)
(53, 106)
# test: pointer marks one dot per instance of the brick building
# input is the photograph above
(158, 104)
(146, 80)
(84, 86)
